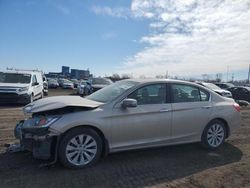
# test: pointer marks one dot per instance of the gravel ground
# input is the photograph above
(175, 166)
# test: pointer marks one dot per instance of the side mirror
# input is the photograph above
(129, 103)
(35, 84)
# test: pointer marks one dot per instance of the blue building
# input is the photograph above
(65, 70)
(79, 74)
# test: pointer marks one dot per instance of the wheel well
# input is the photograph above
(226, 126)
(105, 147)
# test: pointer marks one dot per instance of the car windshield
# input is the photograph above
(230, 85)
(14, 78)
(248, 88)
(67, 82)
(83, 82)
(211, 86)
(101, 81)
(112, 91)
(52, 81)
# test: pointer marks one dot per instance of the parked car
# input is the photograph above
(84, 88)
(225, 85)
(66, 84)
(99, 83)
(75, 82)
(128, 114)
(240, 93)
(215, 88)
(20, 86)
(61, 81)
(52, 83)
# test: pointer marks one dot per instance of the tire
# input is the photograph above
(86, 92)
(79, 148)
(31, 99)
(42, 94)
(213, 135)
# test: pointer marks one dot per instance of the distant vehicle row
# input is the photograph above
(239, 93)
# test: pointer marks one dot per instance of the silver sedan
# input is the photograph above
(128, 114)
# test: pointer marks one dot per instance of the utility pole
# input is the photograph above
(248, 74)
(227, 72)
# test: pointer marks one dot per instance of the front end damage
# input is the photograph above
(35, 136)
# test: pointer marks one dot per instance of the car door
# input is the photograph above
(191, 110)
(147, 124)
(35, 87)
(236, 93)
(244, 94)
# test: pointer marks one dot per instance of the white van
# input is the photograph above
(18, 86)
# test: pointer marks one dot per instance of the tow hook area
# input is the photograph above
(18, 147)
(14, 148)
(54, 156)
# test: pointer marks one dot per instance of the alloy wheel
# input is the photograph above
(81, 149)
(215, 135)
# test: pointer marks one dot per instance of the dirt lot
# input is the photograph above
(176, 166)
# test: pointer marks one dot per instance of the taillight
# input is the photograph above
(237, 107)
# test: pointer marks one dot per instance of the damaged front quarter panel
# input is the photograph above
(35, 133)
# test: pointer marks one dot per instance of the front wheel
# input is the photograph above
(31, 98)
(80, 147)
(214, 134)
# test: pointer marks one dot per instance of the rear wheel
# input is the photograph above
(214, 134)
(80, 147)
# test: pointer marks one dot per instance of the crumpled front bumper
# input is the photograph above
(40, 141)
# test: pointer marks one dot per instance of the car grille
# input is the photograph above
(7, 89)
(8, 97)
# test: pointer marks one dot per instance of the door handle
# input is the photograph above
(164, 110)
(206, 107)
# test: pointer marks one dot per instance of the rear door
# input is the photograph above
(147, 124)
(191, 110)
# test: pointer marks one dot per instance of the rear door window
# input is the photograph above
(187, 93)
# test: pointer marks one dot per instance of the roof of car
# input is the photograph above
(18, 72)
(148, 80)
(246, 87)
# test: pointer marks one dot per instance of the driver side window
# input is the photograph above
(150, 94)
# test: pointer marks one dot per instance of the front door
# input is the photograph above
(36, 88)
(147, 124)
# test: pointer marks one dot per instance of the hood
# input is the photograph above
(67, 83)
(222, 91)
(13, 85)
(52, 103)
(99, 85)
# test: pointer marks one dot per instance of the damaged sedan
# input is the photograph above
(129, 114)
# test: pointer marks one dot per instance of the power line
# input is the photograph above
(248, 74)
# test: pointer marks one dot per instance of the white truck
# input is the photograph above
(21, 86)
